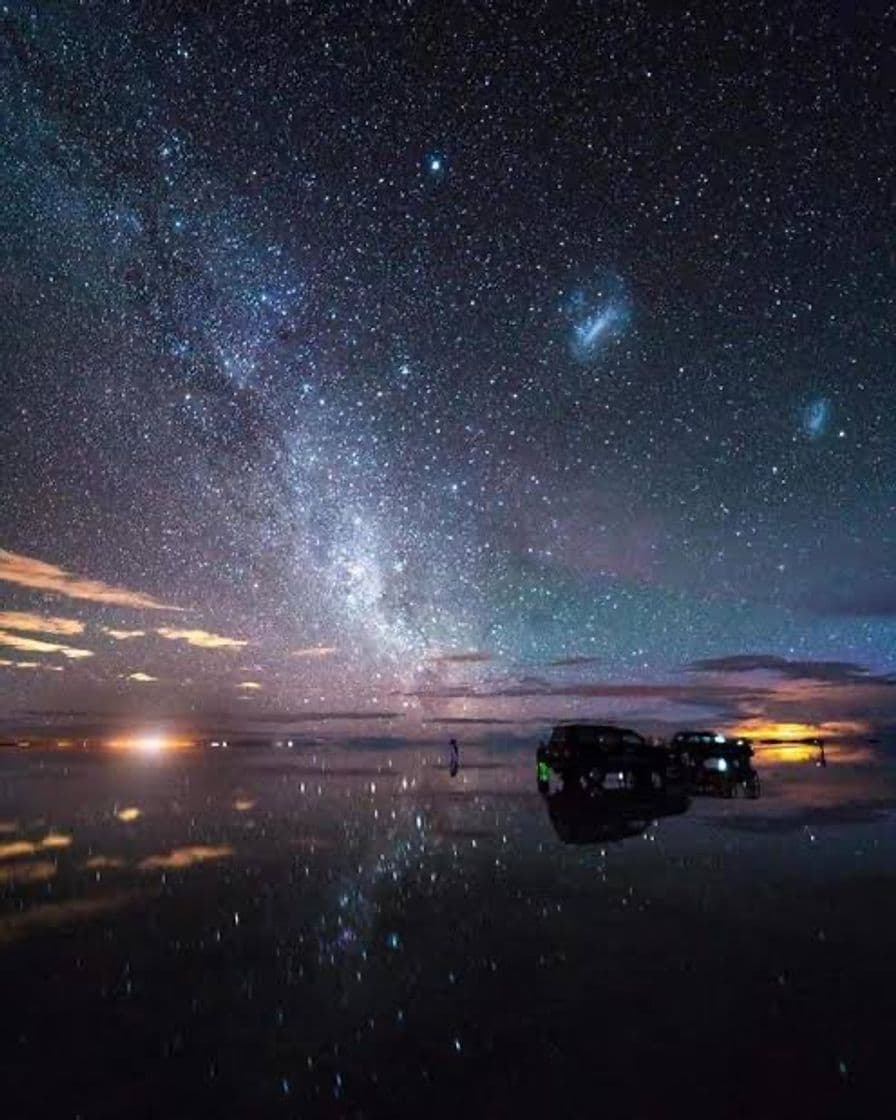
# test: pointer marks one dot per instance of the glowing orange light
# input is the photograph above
(759, 728)
(149, 743)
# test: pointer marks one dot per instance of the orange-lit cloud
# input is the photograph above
(26, 571)
(39, 624)
(36, 645)
(314, 652)
(141, 677)
(201, 638)
(128, 814)
(123, 635)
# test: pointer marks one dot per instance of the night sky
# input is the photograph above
(409, 369)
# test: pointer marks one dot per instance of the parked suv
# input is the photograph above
(605, 758)
(711, 763)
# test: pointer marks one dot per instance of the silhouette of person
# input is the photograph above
(454, 757)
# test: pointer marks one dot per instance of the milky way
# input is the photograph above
(290, 342)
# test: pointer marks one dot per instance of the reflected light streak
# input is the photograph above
(179, 858)
(31, 871)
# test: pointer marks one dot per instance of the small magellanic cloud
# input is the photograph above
(204, 639)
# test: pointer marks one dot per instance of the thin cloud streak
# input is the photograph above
(27, 571)
(203, 639)
(35, 645)
(40, 624)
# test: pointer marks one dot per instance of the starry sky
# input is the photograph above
(383, 370)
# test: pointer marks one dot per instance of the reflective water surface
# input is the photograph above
(268, 932)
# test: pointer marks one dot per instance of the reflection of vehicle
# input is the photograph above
(714, 764)
(584, 813)
(606, 758)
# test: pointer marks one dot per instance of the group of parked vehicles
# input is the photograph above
(602, 782)
(606, 758)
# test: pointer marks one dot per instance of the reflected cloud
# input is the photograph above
(123, 635)
(30, 871)
(244, 804)
(314, 652)
(141, 677)
(16, 848)
(105, 863)
(26, 571)
(128, 814)
(180, 858)
(56, 914)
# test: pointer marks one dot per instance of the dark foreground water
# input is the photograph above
(262, 933)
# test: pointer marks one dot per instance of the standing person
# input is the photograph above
(453, 758)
